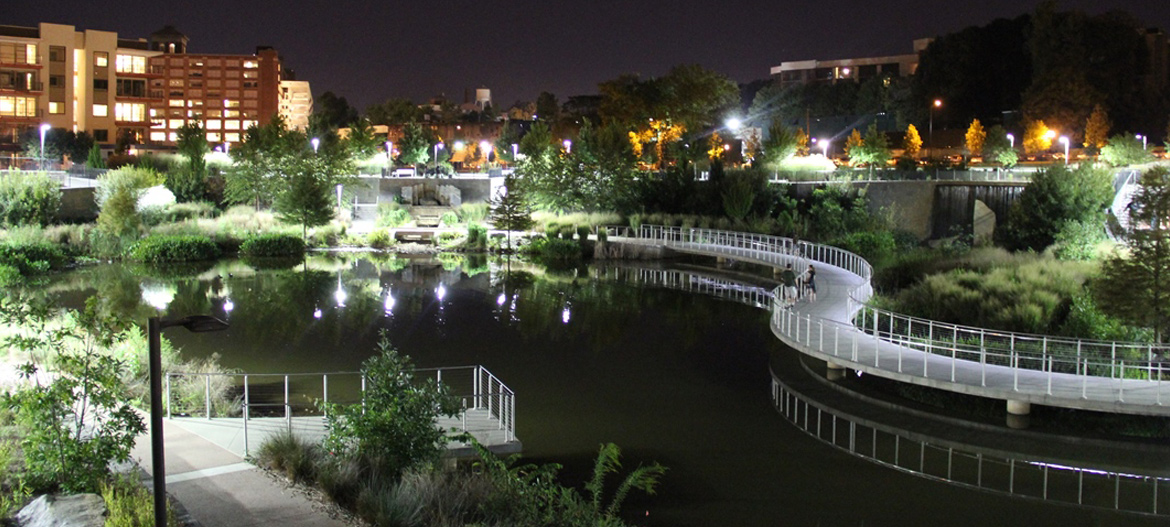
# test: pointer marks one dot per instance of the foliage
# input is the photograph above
(874, 149)
(1135, 287)
(739, 193)
(393, 111)
(999, 148)
(1078, 240)
(286, 453)
(395, 423)
(780, 145)
(390, 215)
(555, 251)
(852, 143)
(1097, 129)
(129, 504)
(308, 198)
(912, 142)
(379, 239)
(1124, 150)
(510, 208)
(1056, 195)
(75, 422)
(1036, 136)
(28, 198)
(117, 196)
(361, 141)
(273, 244)
(1087, 320)
(835, 211)
(476, 237)
(875, 246)
(189, 181)
(415, 145)
(30, 258)
(157, 249)
(94, 158)
(976, 137)
(1031, 295)
(448, 219)
(473, 212)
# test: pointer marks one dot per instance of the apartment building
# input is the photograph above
(850, 70)
(140, 91)
(296, 103)
(86, 80)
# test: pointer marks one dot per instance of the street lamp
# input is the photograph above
(568, 146)
(316, 143)
(390, 156)
(734, 124)
(44, 129)
(936, 104)
(824, 144)
(1064, 141)
(194, 324)
(1012, 141)
(438, 146)
(1143, 138)
(486, 148)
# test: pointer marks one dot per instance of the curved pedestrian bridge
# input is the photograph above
(1021, 369)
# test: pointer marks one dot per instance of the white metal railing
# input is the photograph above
(291, 395)
(695, 283)
(968, 466)
(847, 339)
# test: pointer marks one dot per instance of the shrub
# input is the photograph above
(28, 198)
(9, 275)
(566, 232)
(296, 458)
(1055, 196)
(473, 212)
(476, 237)
(273, 244)
(873, 246)
(391, 215)
(582, 232)
(129, 504)
(448, 219)
(155, 249)
(189, 211)
(1077, 240)
(32, 258)
(602, 234)
(379, 239)
(555, 250)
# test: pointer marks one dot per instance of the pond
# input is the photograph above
(594, 356)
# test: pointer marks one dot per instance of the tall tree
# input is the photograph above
(332, 111)
(414, 146)
(780, 145)
(361, 142)
(307, 197)
(852, 143)
(393, 111)
(511, 209)
(912, 142)
(1136, 286)
(874, 150)
(999, 148)
(1097, 129)
(1036, 137)
(975, 138)
(1056, 196)
(189, 182)
(547, 107)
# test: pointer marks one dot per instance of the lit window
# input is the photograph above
(232, 137)
(129, 64)
(228, 103)
(175, 82)
(175, 103)
(172, 137)
(214, 113)
(231, 124)
(213, 137)
(250, 64)
(249, 124)
(158, 136)
(56, 107)
(231, 113)
(101, 110)
(134, 112)
(251, 75)
(213, 124)
(175, 124)
(101, 59)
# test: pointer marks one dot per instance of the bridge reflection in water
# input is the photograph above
(1120, 476)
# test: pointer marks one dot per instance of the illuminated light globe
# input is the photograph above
(566, 314)
(440, 292)
(389, 304)
(501, 299)
(340, 296)
(317, 313)
(158, 296)
(228, 306)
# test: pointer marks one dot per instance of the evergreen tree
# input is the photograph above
(511, 210)
(307, 197)
(95, 160)
(188, 182)
(1136, 286)
(1097, 129)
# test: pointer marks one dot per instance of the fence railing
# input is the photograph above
(1052, 356)
(972, 467)
(248, 396)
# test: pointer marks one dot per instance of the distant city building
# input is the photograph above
(140, 91)
(851, 70)
(88, 80)
(1158, 45)
(296, 103)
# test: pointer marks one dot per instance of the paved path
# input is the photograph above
(824, 329)
(218, 488)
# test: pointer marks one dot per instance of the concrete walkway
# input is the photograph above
(220, 489)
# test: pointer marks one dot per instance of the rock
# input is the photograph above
(53, 510)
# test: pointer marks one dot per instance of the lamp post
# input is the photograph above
(1064, 141)
(316, 143)
(936, 104)
(44, 129)
(515, 152)
(1143, 138)
(735, 125)
(1011, 141)
(486, 148)
(568, 146)
(194, 324)
(824, 144)
(438, 146)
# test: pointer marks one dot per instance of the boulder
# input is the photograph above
(54, 510)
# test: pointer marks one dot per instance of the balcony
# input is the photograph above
(8, 61)
(22, 87)
(23, 116)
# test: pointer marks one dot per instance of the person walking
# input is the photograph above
(810, 284)
(788, 280)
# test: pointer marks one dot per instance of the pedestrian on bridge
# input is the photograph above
(788, 280)
(810, 284)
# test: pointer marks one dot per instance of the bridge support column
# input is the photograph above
(1017, 414)
(834, 371)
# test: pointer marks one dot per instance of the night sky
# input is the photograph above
(370, 51)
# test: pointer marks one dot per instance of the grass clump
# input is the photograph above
(157, 249)
(273, 244)
(129, 504)
(379, 239)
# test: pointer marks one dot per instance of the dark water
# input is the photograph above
(673, 377)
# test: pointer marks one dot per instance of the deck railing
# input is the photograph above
(287, 395)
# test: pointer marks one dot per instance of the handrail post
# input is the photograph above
(168, 395)
(206, 395)
(325, 394)
(287, 412)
